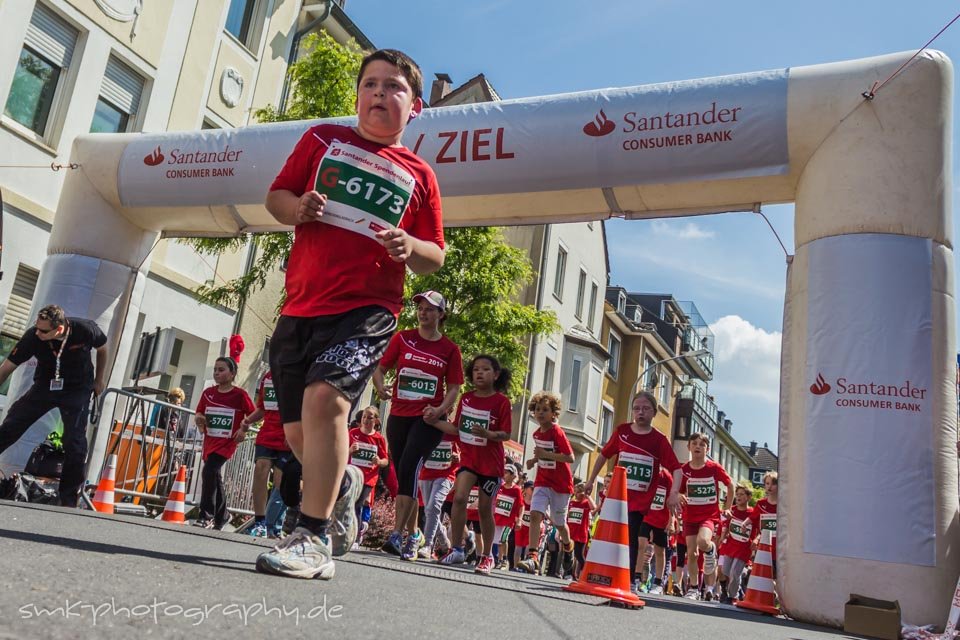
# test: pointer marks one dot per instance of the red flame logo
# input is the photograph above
(820, 387)
(154, 158)
(599, 126)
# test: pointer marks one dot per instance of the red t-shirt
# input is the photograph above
(426, 369)
(578, 519)
(440, 463)
(764, 517)
(482, 456)
(521, 535)
(702, 488)
(658, 515)
(332, 269)
(372, 446)
(507, 505)
(271, 431)
(224, 412)
(551, 473)
(739, 533)
(642, 456)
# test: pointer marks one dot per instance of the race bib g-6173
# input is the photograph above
(365, 192)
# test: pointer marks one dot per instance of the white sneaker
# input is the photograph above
(300, 555)
(710, 560)
(424, 553)
(454, 557)
(656, 590)
(692, 594)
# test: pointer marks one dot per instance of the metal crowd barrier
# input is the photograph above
(151, 439)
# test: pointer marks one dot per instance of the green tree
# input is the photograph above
(480, 279)
(322, 85)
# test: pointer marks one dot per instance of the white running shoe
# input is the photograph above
(343, 521)
(455, 556)
(692, 594)
(300, 555)
(656, 590)
(710, 560)
(424, 553)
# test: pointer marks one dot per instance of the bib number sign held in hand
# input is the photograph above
(365, 192)
(365, 456)
(219, 422)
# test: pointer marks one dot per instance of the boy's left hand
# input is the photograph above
(398, 243)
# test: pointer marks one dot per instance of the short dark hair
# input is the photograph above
(409, 68)
(53, 314)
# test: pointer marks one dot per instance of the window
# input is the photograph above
(574, 395)
(581, 293)
(548, 370)
(244, 22)
(594, 292)
(594, 383)
(560, 273)
(606, 422)
(39, 77)
(650, 381)
(119, 99)
(613, 346)
(666, 387)
(622, 303)
(16, 319)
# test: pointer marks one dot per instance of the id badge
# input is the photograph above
(56, 384)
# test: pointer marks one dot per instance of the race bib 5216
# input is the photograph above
(441, 457)
(365, 192)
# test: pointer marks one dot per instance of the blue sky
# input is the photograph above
(730, 265)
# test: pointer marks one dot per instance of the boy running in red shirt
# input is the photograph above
(701, 514)
(578, 517)
(642, 450)
(507, 511)
(436, 480)
(552, 455)
(344, 287)
(734, 543)
(483, 423)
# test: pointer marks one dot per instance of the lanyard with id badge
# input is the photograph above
(57, 383)
(366, 193)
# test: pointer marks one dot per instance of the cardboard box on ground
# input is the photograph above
(872, 617)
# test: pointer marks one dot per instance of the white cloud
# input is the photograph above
(747, 360)
(684, 231)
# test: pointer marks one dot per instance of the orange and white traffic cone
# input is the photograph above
(760, 595)
(606, 573)
(103, 498)
(174, 509)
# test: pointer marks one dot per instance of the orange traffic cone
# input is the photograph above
(606, 572)
(760, 596)
(103, 498)
(173, 511)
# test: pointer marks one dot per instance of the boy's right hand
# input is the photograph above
(310, 207)
(531, 463)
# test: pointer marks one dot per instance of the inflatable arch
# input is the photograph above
(868, 413)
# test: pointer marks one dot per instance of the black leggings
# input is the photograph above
(410, 440)
(634, 520)
(290, 483)
(578, 549)
(213, 499)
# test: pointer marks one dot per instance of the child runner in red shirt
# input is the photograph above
(483, 424)
(764, 515)
(553, 486)
(654, 528)
(701, 513)
(734, 543)
(368, 452)
(642, 450)
(436, 480)
(507, 511)
(344, 286)
(578, 519)
(521, 538)
(220, 415)
(272, 451)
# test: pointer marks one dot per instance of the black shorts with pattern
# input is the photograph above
(342, 350)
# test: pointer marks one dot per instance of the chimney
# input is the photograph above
(766, 446)
(441, 87)
(728, 425)
(753, 448)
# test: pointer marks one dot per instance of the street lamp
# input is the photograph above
(688, 354)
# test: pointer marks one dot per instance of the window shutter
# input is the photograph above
(122, 86)
(17, 317)
(49, 35)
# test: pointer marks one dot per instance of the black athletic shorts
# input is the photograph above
(659, 536)
(489, 485)
(342, 350)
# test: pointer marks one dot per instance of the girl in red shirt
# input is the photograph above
(578, 519)
(734, 542)
(483, 423)
(368, 452)
(220, 417)
(436, 480)
(507, 511)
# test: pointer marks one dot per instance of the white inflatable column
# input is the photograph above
(868, 416)
(96, 269)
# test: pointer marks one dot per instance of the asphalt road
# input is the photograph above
(77, 574)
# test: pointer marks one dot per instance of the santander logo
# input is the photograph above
(600, 126)
(154, 158)
(820, 387)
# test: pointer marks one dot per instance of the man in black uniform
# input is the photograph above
(64, 380)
